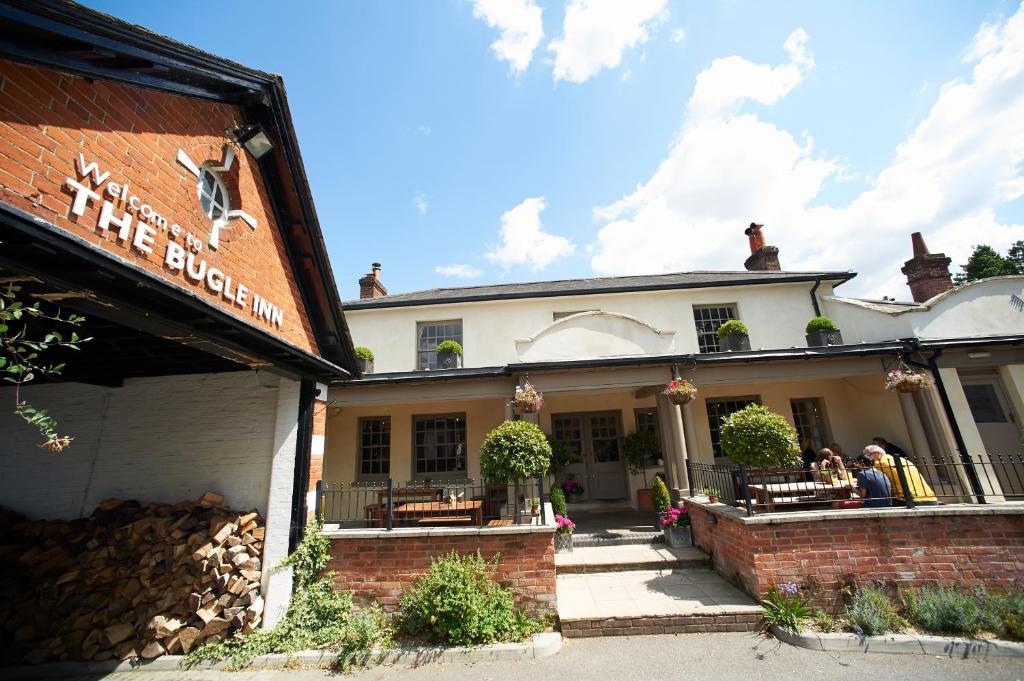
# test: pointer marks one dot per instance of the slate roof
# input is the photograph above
(591, 286)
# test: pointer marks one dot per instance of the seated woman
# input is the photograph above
(828, 466)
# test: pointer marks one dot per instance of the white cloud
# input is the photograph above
(424, 130)
(524, 241)
(727, 167)
(459, 271)
(678, 35)
(595, 33)
(627, 75)
(521, 29)
(419, 199)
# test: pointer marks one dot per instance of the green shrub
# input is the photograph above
(515, 450)
(660, 497)
(557, 497)
(784, 607)
(458, 603)
(449, 346)
(1008, 609)
(363, 352)
(821, 324)
(873, 613)
(637, 448)
(943, 610)
(824, 622)
(733, 327)
(318, 616)
(757, 436)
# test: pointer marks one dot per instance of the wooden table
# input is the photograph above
(374, 513)
(783, 493)
(440, 511)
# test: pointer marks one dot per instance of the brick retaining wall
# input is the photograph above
(964, 545)
(380, 566)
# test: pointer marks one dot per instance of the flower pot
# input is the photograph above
(449, 360)
(734, 343)
(572, 498)
(644, 500)
(712, 500)
(365, 365)
(535, 511)
(563, 542)
(678, 536)
(658, 524)
(823, 337)
(680, 398)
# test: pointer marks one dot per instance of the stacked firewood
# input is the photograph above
(128, 581)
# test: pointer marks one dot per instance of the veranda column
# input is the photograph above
(674, 442)
(668, 457)
(689, 434)
(918, 439)
(680, 450)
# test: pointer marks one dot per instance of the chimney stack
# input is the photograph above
(369, 284)
(927, 273)
(763, 258)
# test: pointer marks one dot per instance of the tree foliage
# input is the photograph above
(986, 262)
(515, 450)
(757, 436)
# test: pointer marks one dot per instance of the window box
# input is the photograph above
(449, 360)
(734, 343)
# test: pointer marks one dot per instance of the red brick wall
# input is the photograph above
(380, 569)
(965, 550)
(47, 118)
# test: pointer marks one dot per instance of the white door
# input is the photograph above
(997, 425)
(594, 438)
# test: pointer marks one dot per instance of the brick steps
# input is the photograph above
(659, 624)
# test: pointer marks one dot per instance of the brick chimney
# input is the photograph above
(927, 273)
(763, 258)
(369, 284)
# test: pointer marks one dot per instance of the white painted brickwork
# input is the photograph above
(154, 439)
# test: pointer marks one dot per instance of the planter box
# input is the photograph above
(449, 360)
(365, 365)
(820, 339)
(733, 343)
(563, 542)
(644, 500)
(677, 537)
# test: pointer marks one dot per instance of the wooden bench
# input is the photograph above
(444, 520)
(504, 522)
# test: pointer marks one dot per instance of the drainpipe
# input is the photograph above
(965, 457)
(303, 454)
(814, 296)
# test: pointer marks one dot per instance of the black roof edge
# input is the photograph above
(243, 86)
(953, 343)
(378, 303)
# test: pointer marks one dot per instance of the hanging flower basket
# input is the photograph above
(528, 400)
(680, 391)
(907, 380)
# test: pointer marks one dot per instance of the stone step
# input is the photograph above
(626, 557)
(660, 624)
(614, 539)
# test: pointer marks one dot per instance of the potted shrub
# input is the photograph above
(712, 493)
(639, 448)
(757, 436)
(907, 380)
(527, 400)
(822, 331)
(449, 355)
(573, 489)
(535, 506)
(680, 391)
(563, 533)
(676, 522)
(734, 336)
(364, 359)
(515, 450)
(660, 499)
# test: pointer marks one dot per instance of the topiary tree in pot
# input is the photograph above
(661, 499)
(449, 355)
(364, 359)
(822, 331)
(640, 448)
(757, 436)
(733, 336)
(515, 451)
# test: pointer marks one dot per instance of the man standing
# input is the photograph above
(872, 486)
(919, 490)
(890, 448)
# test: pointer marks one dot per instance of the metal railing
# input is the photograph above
(968, 479)
(389, 505)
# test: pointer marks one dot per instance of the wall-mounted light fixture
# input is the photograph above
(253, 138)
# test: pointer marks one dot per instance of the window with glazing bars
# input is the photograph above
(708, 319)
(718, 410)
(439, 444)
(375, 447)
(429, 335)
(809, 420)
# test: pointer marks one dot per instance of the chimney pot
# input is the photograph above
(920, 247)
(927, 273)
(763, 258)
(370, 285)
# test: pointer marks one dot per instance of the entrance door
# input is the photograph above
(595, 439)
(996, 423)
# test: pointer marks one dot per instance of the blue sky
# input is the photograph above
(641, 136)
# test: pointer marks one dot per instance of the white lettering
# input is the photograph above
(144, 237)
(147, 211)
(190, 269)
(277, 317)
(92, 169)
(175, 258)
(240, 295)
(215, 279)
(113, 189)
(82, 196)
(134, 202)
(228, 295)
(107, 216)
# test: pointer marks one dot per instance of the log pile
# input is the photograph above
(128, 581)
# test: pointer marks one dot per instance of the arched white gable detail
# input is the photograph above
(589, 335)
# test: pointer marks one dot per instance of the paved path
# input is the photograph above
(722, 657)
(653, 555)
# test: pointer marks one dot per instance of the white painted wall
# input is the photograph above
(775, 313)
(154, 439)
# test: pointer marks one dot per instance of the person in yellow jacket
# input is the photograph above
(920, 492)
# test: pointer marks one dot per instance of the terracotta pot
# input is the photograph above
(535, 510)
(712, 500)
(644, 500)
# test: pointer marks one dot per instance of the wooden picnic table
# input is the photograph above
(374, 513)
(782, 493)
(441, 511)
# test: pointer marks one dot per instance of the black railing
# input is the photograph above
(910, 484)
(389, 505)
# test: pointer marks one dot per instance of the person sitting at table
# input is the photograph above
(872, 485)
(920, 492)
(828, 462)
(838, 450)
(809, 455)
(890, 448)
